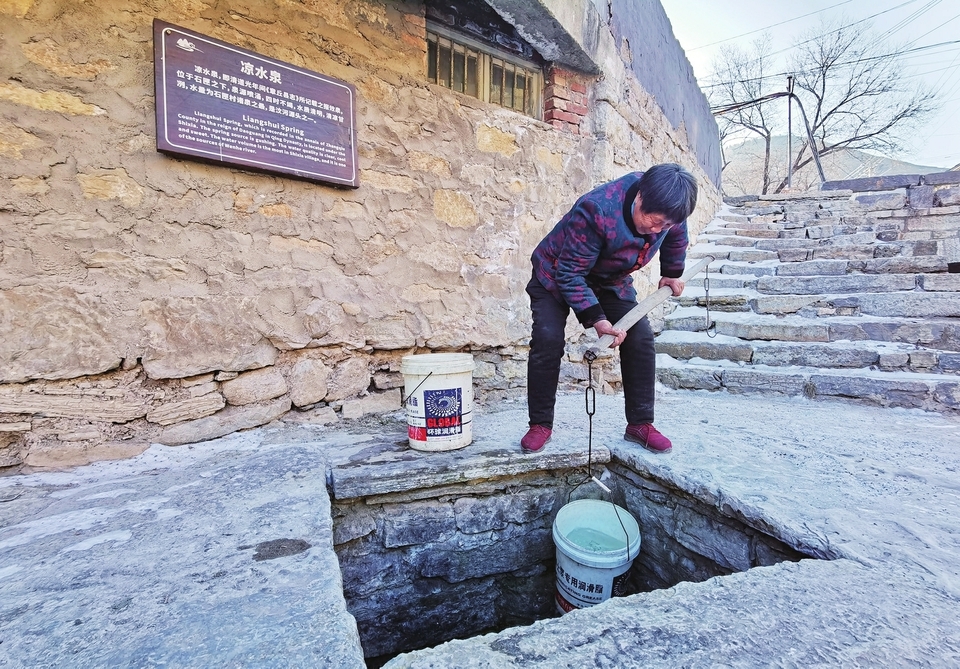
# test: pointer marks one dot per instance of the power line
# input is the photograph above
(907, 21)
(849, 62)
(849, 25)
(774, 25)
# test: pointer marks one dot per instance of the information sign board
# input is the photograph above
(218, 102)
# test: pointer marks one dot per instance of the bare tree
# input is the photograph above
(744, 77)
(854, 93)
(851, 86)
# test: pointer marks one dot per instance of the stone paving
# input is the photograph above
(220, 553)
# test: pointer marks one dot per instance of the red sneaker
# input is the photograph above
(647, 436)
(535, 438)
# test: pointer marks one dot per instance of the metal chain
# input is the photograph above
(711, 326)
(590, 400)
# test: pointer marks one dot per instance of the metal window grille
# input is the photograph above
(485, 75)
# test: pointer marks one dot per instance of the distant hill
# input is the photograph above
(744, 173)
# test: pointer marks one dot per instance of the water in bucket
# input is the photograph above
(596, 544)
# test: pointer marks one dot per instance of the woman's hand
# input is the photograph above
(606, 328)
(676, 285)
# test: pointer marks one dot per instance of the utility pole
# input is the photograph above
(789, 131)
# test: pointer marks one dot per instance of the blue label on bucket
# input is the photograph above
(442, 409)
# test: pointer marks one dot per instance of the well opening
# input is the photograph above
(455, 561)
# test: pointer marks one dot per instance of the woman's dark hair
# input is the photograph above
(670, 190)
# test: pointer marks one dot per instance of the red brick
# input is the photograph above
(555, 103)
(574, 108)
(557, 76)
(554, 91)
(578, 87)
(557, 114)
(559, 125)
(578, 98)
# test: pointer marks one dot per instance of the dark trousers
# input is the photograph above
(637, 356)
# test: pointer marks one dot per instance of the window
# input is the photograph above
(482, 72)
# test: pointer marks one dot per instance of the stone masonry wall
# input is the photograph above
(145, 298)
(924, 208)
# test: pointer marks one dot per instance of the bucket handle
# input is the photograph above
(414, 391)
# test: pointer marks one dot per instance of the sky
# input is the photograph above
(703, 27)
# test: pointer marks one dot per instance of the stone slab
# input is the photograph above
(215, 556)
(873, 183)
(389, 466)
(848, 283)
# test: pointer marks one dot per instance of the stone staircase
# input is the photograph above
(819, 295)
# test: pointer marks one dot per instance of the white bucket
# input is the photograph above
(439, 392)
(596, 544)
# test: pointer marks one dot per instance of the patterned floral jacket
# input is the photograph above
(595, 245)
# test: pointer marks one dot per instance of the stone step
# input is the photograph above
(725, 280)
(885, 231)
(855, 239)
(886, 356)
(757, 268)
(857, 283)
(934, 392)
(841, 266)
(903, 304)
(940, 334)
(701, 250)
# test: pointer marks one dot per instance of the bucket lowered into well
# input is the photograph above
(596, 544)
(439, 400)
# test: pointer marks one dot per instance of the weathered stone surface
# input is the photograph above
(848, 283)
(116, 409)
(15, 427)
(814, 355)
(882, 391)
(418, 523)
(813, 267)
(110, 185)
(397, 468)
(187, 337)
(912, 304)
(354, 522)
(782, 304)
(941, 282)
(82, 453)
(58, 334)
(893, 360)
(256, 386)
(499, 558)
(905, 265)
(939, 178)
(349, 377)
(52, 101)
(753, 380)
(374, 403)
(946, 197)
(923, 360)
(475, 515)
(183, 410)
(138, 523)
(880, 201)
(230, 419)
(711, 349)
(873, 183)
(308, 382)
